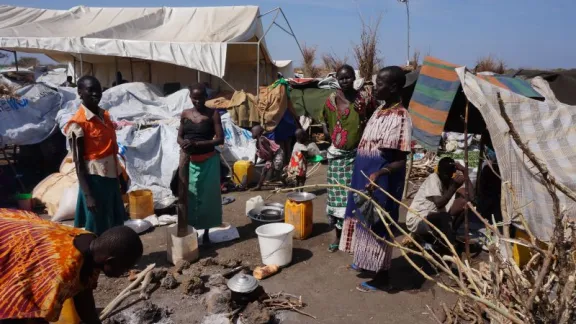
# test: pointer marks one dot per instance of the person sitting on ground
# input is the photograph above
(441, 200)
(69, 83)
(43, 264)
(270, 152)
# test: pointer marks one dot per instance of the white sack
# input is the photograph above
(238, 142)
(67, 206)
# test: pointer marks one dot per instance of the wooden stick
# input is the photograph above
(466, 185)
(408, 171)
(143, 279)
(182, 206)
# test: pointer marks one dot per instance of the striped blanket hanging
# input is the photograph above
(434, 94)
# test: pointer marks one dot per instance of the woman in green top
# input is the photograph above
(345, 114)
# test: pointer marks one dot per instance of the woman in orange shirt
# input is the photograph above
(92, 137)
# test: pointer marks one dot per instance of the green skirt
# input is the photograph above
(110, 210)
(204, 198)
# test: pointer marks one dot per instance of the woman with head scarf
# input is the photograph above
(345, 114)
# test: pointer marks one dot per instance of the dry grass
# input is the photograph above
(366, 52)
(309, 62)
(415, 60)
(332, 62)
(490, 64)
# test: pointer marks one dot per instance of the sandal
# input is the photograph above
(333, 247)
(354, 268)
(366, 288)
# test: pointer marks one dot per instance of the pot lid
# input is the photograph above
(243, 283)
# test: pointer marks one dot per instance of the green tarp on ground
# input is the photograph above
(309, 102)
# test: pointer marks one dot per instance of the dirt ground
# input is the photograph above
(321, 278)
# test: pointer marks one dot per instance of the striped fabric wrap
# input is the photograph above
(434, 94)
(370, 254)
(39, 266)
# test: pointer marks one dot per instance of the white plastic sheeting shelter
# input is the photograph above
(148, 44)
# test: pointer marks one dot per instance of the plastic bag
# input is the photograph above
(67, 206)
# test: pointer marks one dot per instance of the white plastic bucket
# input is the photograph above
(181, 248)
(275, 242)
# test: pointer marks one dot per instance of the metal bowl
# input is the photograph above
(301, 196)
(267, 214)
(138, 225)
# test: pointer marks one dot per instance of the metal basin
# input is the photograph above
(267, 214)
(138, 225)
(301, 196)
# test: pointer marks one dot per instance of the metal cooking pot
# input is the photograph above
(243, 283)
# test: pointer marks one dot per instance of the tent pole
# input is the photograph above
(466, 185)
(480, 162)
(198, 75)
(75, 75)
(269, 11)
(16, 60)
(269, 27)
(81, 65)
(131, 71)
(258, 71)
(292, 31)
(150, 72)
(116, 68)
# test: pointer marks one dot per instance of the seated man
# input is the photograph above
(441, 200)
(43, 264)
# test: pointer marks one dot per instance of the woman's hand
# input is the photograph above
(90, 203)
(373, 178)
(185, 144)
(460, 167)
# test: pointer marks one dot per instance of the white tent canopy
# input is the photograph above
(204, 39)
(15, 16)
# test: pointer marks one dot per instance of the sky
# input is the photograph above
(523, 33)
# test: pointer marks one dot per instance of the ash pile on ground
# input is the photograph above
(143, 313)
(204, 281)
